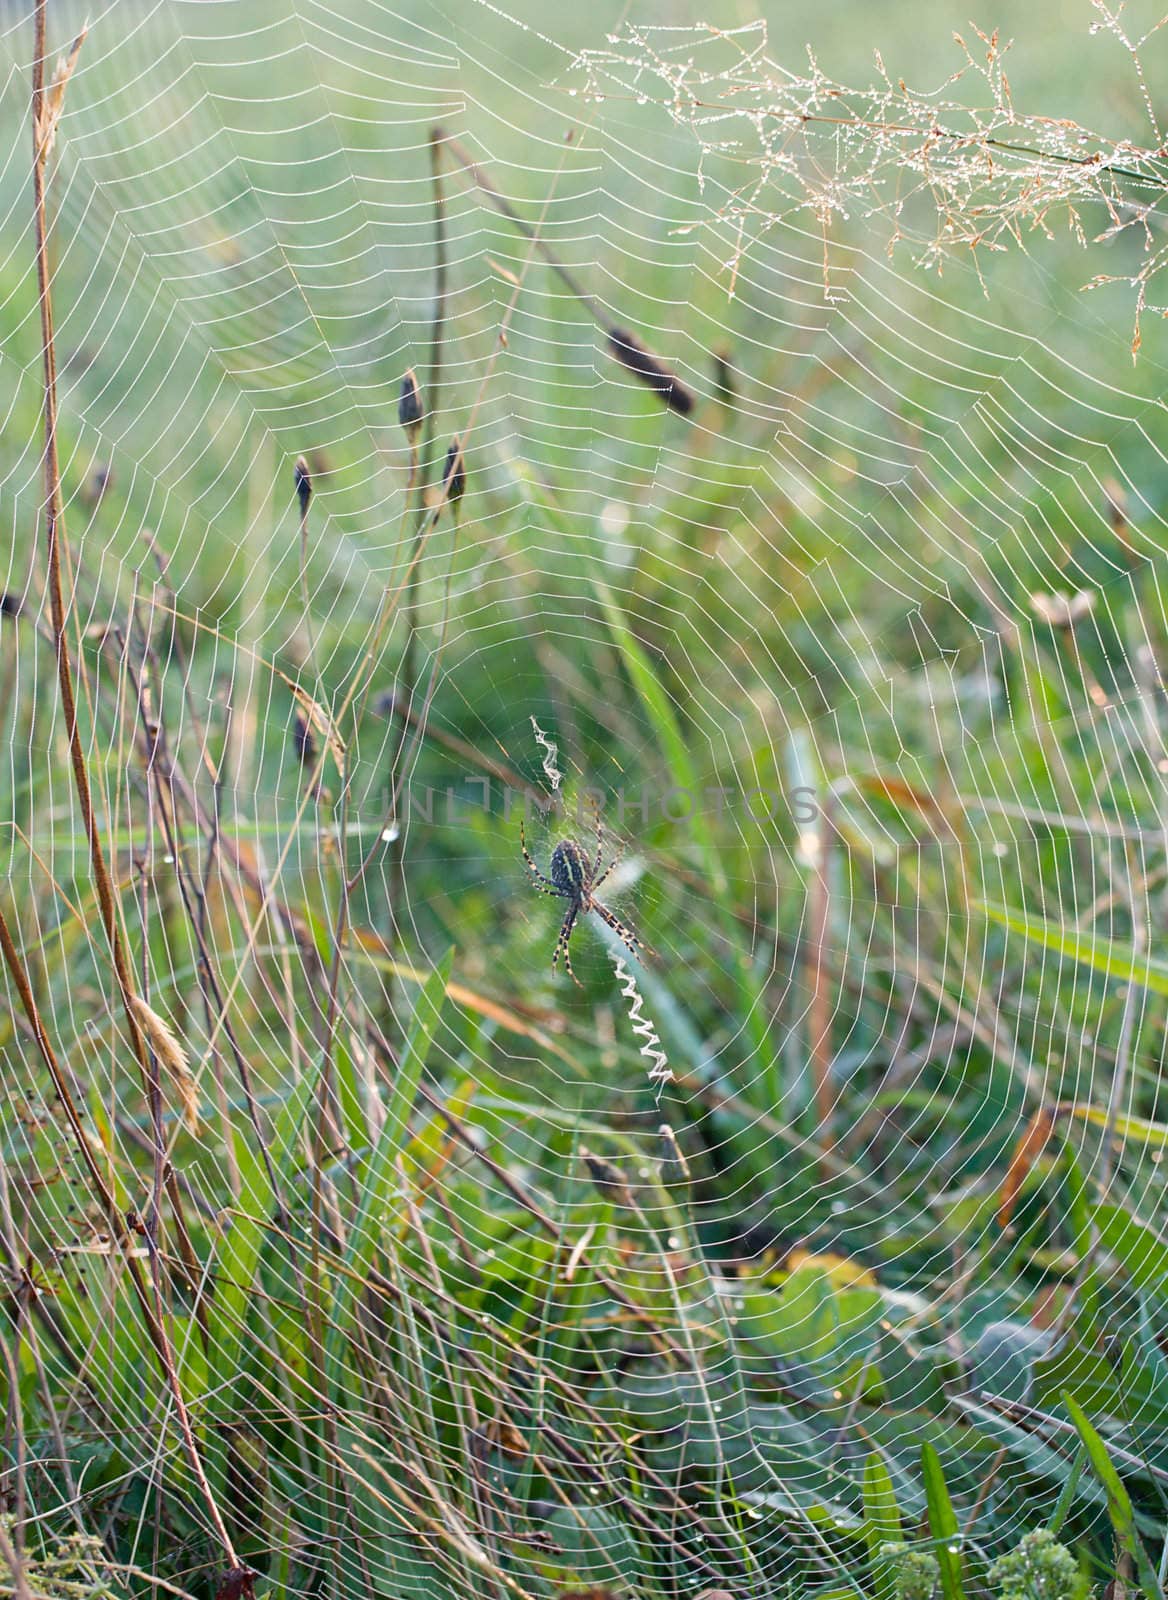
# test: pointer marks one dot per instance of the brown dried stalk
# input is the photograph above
(44, 120)
(623, 346)
(46, 112)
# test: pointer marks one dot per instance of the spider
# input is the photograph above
(575, 878)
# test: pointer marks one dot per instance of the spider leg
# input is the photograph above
(623, 932)
(568, 924)
(548, 886)
(595, 873)
(613, 863)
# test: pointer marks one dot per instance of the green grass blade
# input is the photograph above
(660, 712)
(881, 1525)
(375, 1175)
(1119, 1504)
(943, 1523)
(237, 1256)
(1067, 1498)
(1112, 957)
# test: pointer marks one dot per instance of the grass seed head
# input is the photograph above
(410, 411)
(172, 1056)
(303, 740)
(643, 364)
(53, 101)
(725, 389)
(302, 479)
(454, 472)
(94, 488)
(604, 1175)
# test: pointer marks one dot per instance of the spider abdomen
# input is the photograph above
(569, 868)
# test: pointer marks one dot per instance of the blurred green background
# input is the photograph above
(914, 1011)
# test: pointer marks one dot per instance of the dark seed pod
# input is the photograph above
(605, 1176)
(303, 741)
(725, 391)
(643, 364)
(10, 605)
(410, 411)
(94, 488)
(454, 472)
(302, 479)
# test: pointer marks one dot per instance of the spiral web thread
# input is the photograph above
(854, 644)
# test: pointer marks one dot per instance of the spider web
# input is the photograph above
(858, 659)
